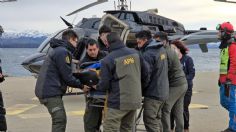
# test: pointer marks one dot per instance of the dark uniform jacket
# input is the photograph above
(155, 54)
(1, 79)
(101, 55)
(176, 74)
(123, 73)
(189, 70)
(101, 45)
(3, 123)
(56, 72)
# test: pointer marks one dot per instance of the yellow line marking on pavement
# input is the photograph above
(198, 106)
(35, 99)
(195, 92)
(46, 115)
(19, 108)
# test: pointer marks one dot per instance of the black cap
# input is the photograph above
(104, 29)
(162, 35)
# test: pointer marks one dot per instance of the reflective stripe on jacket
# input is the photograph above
(231, 67)
(224, 60)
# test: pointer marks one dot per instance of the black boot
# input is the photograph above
(228, 130)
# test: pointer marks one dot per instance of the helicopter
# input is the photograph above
(126, 23)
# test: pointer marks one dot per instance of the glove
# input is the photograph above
(227, 87)
(219, 84)
(2, 79)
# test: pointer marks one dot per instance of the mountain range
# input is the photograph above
(23, 39)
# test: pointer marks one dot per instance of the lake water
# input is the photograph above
(13, 57)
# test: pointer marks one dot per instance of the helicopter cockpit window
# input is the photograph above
(45, 46)
(96, 24)
(92, 23)
(46, 49)
(87, 24)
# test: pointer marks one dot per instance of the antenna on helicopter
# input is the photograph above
(115, 5)
(130, 5)
(122, 5)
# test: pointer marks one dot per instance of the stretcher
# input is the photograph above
(98, 100)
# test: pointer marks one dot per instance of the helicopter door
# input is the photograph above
(116, 25)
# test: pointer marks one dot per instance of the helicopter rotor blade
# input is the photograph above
(87, 6)
(1, 1)
(226, 1)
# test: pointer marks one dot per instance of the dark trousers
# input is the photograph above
(119, 120)
(187, 101)
(152, 114)
(93, 116)
(174, 104)
(56, 109)
(3, 123)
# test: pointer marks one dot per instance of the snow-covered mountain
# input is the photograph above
(22, 39)
(26, 33)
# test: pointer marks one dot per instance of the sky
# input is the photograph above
(43, 15)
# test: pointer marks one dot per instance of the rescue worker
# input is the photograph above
(103, 31)
(93, 115)
(189, 70)
(158, 90)
(3, 123)
(93, 53)
(123, 74)
(177, 86)
(54, 77)
(227, 79)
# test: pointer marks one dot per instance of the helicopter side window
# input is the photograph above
(130, 17)
(167, 22)
(150, 19)
(122, 16)
(159, 21)
(155, 20)
(162, 22)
